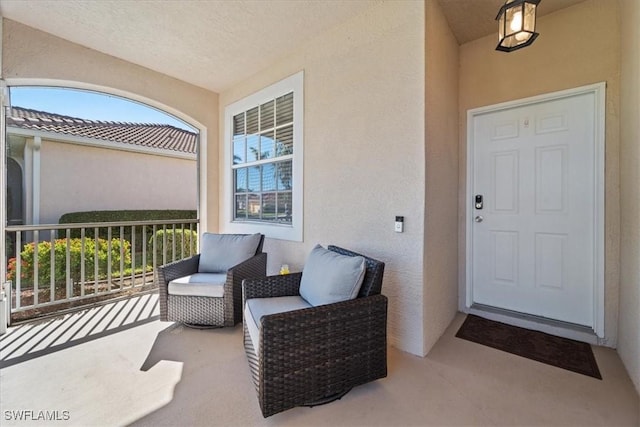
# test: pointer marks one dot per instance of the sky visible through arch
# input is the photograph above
(90, 105)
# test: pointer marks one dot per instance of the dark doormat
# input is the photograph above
(561, 352)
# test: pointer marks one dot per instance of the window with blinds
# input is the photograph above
(263, 161)
(263, 168)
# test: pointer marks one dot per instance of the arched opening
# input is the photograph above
(115, 168)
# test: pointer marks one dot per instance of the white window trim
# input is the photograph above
(293, 231)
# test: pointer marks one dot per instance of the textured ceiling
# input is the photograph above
(471, 19)
(217, 43)
(212, 44)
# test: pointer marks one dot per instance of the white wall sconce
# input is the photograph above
(517, 24)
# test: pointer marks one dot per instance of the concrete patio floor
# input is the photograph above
(117, 364)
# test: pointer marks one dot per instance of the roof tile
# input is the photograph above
(162, 136)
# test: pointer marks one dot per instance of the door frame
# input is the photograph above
(599, 92)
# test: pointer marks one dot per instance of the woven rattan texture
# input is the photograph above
(196, 310)
(310, 354)
(225, 311)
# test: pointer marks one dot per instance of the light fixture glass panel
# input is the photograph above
(530, 17)
(513, 22)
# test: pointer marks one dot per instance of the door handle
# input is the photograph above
(478, 218)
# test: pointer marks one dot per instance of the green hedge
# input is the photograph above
(190, 239)
(60, 259)
(121, 215)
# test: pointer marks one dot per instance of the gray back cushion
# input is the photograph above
(330, 277)
(220, 252)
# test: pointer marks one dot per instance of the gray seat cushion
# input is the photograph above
(199, 285)
(329, 277)
(220, 252)
(256, 308)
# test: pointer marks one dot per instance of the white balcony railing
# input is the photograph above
(58, 266)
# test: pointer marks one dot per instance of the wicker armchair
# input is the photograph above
(315, 355)
(203, 311)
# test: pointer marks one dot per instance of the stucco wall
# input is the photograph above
(441, 202)
(31, 54)
(577, 46)
(629, 325)
(363, 150)
(76, 178)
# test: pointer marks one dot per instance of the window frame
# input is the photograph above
(292, 231)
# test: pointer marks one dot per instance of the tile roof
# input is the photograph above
(160, 136)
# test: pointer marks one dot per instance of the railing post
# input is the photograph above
(82, 261)
(163, 251)
(155, 247)
(52, 270)
(121, 256)
(133, 256)
(164, 244)
(68, 280)
(18, 269)
(96, 259)
(173, 242)
(109, 258)
(144, 255)
(36, 262)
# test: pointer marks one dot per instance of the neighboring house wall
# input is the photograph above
(364, 146)
(577, 46)
(629, 329)
(441, 192)
(76, 178)
(28, 53)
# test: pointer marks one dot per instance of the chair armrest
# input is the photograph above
(281, 285)
(256, 266)
(174, 270)
(168, 272)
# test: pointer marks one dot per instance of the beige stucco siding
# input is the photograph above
(363, 150)
(78, 178)
(629, 329)
(577, 46)
(31, 54)
(441, 201)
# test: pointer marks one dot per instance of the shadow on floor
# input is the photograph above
(35, 339)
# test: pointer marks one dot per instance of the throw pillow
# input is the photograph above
(329, 277)
(220, 252)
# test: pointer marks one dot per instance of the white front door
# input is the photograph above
(534, 208)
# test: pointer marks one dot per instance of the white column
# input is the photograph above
(3, 204)
(35, 170)
(32, 179)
